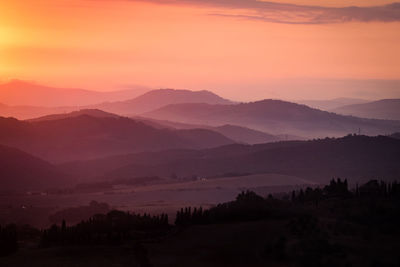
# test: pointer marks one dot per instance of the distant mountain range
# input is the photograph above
(88, 112)
(91, 134)
(386, 109)
(357, 158)
(239, 134)
(274, 117)
(21, 93)
(158, 98)
(331, 104)
(23, 100)
(236, 133)
(29, 112)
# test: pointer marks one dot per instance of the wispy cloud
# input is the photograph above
(294, 14)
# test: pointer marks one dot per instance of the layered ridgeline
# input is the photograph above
(29, 112)
(23, 100)
(239, 134)
(331, 104)
(158, 98)
(90, 134)
(275, 117)
(357, 158)
(388, 109)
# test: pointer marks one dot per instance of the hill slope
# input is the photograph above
(21, 171)
(331, 104)
(159, 98)
(86, 136)
(239, 134)
(90, 112)
(275, 117)
(357, 158)
(387, 109)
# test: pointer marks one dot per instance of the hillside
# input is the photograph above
(90, 112)
(275, 117)
(158, 98)
(87, 136)
(386, 109)
(245, 135)
(331, 103)
(21, 171)
(357, 158)
(239, 134)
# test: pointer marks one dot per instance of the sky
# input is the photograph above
(240, 49)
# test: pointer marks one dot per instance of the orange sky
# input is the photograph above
(108, 44)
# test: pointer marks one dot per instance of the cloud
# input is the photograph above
(294, 14)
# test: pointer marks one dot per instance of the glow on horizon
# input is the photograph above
(106, 44)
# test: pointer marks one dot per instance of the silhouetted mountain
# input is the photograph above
(158, 98)
(275, 117)
(237, 133)
(90, 112)
(87, 136)
(21, 171)
(331, 103)
(386, 109)
(23, 93)
(357, 158)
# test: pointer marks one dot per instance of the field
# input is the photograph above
(153, 199)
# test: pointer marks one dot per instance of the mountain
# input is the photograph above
(21, 93)
(237, 133)
(386, 109)
(331, 103)
(245, 135)
(90, 112)
(83, 136)
(21, 171)
(158, 98)
(29, 112)
(357, 158)
(274, 117)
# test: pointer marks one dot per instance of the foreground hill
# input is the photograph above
(23, 93)
(395, 135)
(357, 158)
(387, 109)
(275, 117)
(87, 136)
(21, 171)
(158, 98)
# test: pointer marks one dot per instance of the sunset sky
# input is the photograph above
(241, 49)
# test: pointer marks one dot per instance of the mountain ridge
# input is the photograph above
(85, 136)
(386, 109)
(161, 97)
(275, 117)
(356, 158)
